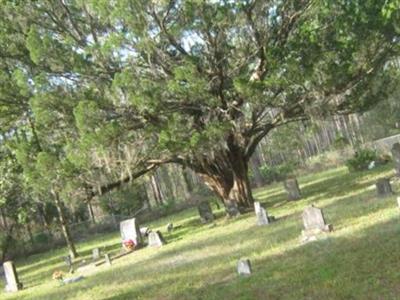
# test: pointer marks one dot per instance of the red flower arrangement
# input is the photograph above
(129, 245)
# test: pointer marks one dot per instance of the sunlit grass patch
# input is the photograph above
(358, 260)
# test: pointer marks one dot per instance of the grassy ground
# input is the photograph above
(359, 260)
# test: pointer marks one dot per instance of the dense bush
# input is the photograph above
(277, 173)
(364, 159)
(361, 160)
(42, 238)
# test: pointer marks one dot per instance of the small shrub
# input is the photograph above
(340, 142)
(42, 238)
(277, 173)
(362, 159)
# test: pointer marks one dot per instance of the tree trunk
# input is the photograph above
(3, 218)
(29, 231)
(64, 226)
(158, 196)
(91, 214)
(227, 176)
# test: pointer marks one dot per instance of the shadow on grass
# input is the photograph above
(361, 266)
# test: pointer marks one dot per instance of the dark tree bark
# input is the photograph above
(227, 176)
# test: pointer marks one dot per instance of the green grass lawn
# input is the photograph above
(359, 260)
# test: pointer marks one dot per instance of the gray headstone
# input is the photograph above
(68, 262)
(96, 253)
(314, 223)
(130, 231)
(396, 157)
(205, 212)
(262, 217)
(292, 188)
(72, 280)
(313, 218)
(383, 187)
(244, 267)
(232, 208)
(107, 259)
(170, 227)
(156, 239)
(12, 282)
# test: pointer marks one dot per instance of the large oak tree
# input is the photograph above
(124, 86)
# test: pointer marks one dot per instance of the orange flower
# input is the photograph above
(58, 275)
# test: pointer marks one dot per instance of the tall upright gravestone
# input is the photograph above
(396, 157)
(232, 208)
(130, 231)
(261, 214)
(12, 281)
(292, 188)
(383, 187)
(205, 212)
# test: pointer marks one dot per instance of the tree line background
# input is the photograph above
(131, 105)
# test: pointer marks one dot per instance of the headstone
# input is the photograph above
(144, 231)
(130, 231)
(107, 259)
(383, 187)
(156, 239)
(170, 227)
(396, 157)
(292, 188)
(73, 279)
(314, 223)
(205, 212)
(244, 267)
(262, 217)
(232, 208)
(96, 253)
(68, 262)
(12, 282)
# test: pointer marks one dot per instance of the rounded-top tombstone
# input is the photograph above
(292, 188)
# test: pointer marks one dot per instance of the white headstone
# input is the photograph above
(96, 253)
(12, 282)
(262, 217)
(144, 231)
(130, 231)
(155, 239)
(107, 259)
(244, 267)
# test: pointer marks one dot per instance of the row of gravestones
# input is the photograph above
(130, 230)
(313, 221)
